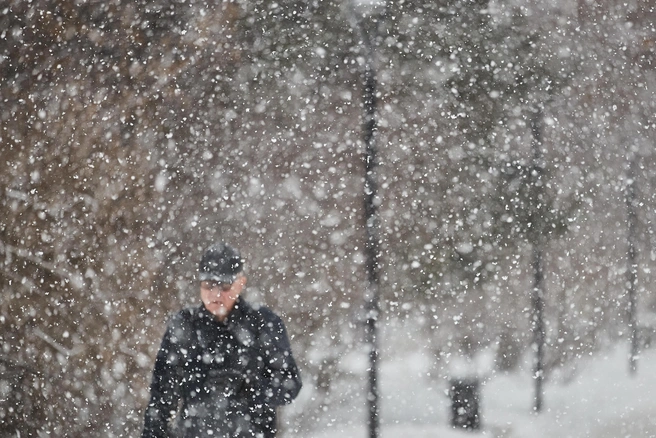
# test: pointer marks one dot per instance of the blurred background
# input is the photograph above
(135, 133)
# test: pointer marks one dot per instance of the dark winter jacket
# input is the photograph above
(226, 378)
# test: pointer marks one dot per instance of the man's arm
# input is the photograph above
(281, 378)
(165, 384)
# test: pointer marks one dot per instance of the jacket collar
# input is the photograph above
(237, 314)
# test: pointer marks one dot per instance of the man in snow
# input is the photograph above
(224, 365)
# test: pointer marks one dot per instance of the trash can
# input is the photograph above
(465, 406)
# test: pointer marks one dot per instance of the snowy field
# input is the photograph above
(598, 399)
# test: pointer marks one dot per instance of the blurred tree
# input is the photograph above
(462, 208)
(133, 133)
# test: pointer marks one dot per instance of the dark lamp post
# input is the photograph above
(632, 271)
(372, 245)
(537, 296)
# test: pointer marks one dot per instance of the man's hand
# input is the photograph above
(224, 382)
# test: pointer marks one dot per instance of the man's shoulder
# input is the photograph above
(180, 326)
(185, 313)
(260, 311)
(185, 316)
(258, 318)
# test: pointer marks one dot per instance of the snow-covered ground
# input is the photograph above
(599, 399)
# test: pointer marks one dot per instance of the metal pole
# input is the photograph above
(538, 326)
(372, 245)
(632, 273)
(537, 298)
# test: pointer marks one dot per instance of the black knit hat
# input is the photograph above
(220, 263)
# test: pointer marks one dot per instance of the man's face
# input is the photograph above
(220, 298)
